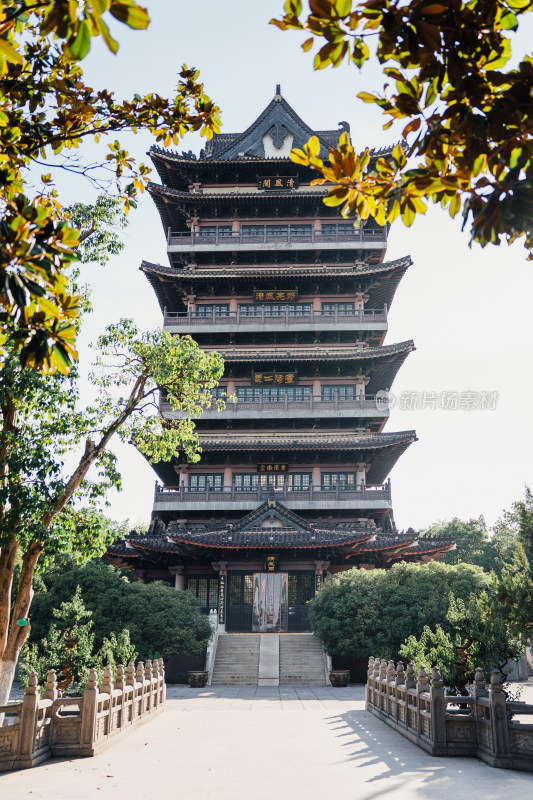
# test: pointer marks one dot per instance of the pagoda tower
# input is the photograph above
(293, 479)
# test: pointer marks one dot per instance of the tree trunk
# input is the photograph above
(13, 636)
(7, 674)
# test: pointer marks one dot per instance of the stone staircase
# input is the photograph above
(301, 660)
(237, 659)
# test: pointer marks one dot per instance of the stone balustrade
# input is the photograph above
(38, 728)
(482, 724)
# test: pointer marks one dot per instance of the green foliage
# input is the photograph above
(471, 538)
(69, 648)
(511, 597)
(467, 115)
(523, 510)
(38, 496)
(477, 636)
(435, 647)
(160, 620)
(359, 613)
(49, 497)
(98, 227)
(47, 111)
(492, 550)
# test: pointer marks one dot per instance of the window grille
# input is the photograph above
(206, 310)
(199, 483)
(342, 392)
(344, 480)
(348, 309)
(299, 481)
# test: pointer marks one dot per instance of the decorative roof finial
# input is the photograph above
(278, 89)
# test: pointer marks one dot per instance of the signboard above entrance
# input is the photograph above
(274, 377)
(272, 467)
(274, 182)
(271, 563)
(275, 296)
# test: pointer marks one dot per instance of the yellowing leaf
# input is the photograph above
(9, 52)
(366, 97)
(133, 15)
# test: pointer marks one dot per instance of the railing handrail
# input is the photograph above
(325, 316)
(367, 403)
(285, 491)
(194, 237)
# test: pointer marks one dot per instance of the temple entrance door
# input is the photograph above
(270, 606)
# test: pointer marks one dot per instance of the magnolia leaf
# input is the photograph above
(9, 52)
(312, 147)
(82, 43)
(366, 97)
(130, 13)
(299, 157)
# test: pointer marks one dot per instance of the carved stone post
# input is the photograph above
(50, 692)
(150, 688)
(498, 719)
(400, 674)
(382, 685)
(369, 676)
(89, 711)
(28, 721)
(107, 681)
(139, 680)
(480, 688)
(421, 687)
(410, 682)
(119, 677)
(162, 684)
(130, 675)
(438, 712)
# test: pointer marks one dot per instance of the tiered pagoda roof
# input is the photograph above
(274, 527)
(381, 450)
(379, 281)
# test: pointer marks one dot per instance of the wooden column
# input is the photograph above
(228, 476)
(179, 578)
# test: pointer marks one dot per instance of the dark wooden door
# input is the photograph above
(239, 602)
(301, 590)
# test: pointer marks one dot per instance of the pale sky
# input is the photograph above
(468, 310)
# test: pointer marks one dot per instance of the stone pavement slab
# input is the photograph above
(303, 743)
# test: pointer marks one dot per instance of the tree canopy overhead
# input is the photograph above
(46, 112)
(465, 108)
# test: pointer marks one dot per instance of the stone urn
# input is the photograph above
(197, 678)
(339, 677)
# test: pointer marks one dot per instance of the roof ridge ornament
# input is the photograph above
(277, 96)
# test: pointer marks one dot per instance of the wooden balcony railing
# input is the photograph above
(182, 494)
(289, 319)
(317, 404)
(237, 239)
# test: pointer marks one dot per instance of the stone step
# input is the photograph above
(237, 660)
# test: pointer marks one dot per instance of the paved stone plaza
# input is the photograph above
(303, 743)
